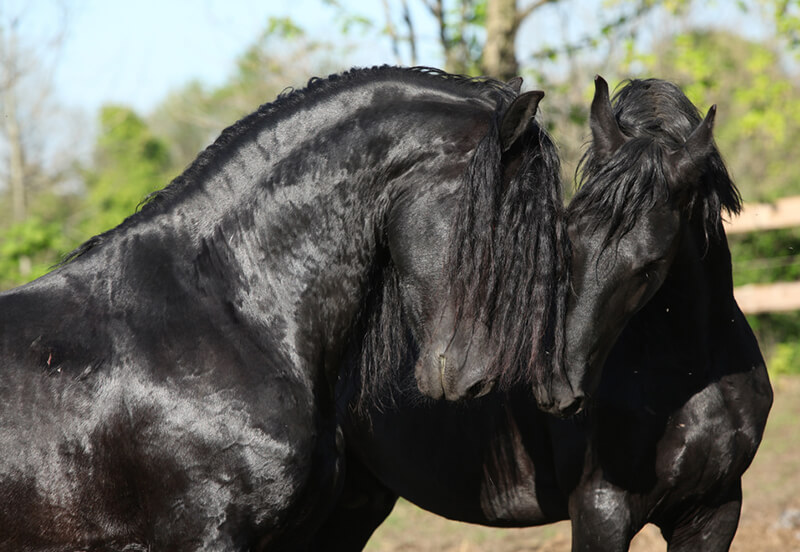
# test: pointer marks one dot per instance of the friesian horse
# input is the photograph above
(170, 386)
(675, 411)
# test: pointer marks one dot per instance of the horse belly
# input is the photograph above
(471, 464)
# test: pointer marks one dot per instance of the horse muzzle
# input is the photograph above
(445, 376)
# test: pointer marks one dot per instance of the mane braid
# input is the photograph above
(658, 118)
(288, 101)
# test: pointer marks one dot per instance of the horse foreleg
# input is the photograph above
(363, 505)
(709, 528)
(601, 520)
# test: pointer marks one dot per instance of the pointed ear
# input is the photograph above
(702, 138)
(515, 84)
(518, 116)
(688, 161)
(606, 135)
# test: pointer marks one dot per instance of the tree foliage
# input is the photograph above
(129, 163)
(282, 56)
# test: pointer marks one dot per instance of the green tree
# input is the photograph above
(29, 248)
(758, 124)
(129, 163)
(282, 56)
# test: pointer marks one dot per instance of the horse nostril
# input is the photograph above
(570, 407)
(478, 389)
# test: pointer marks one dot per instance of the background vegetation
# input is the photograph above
(53, 195)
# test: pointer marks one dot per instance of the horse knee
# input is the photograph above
(601, 521)
(707, 528)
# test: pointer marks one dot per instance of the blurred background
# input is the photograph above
(104, 102)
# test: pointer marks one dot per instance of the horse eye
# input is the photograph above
(647, 270)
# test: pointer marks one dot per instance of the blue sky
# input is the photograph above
(136, 52)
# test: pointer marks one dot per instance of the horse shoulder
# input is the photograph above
(711, 439)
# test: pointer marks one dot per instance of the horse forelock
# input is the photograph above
(614, 193)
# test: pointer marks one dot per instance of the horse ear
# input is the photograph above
(606, 135)
(515, 84)
(518, 116)
(689, 160)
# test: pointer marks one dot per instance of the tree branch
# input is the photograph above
(431, 7)
(391, 31)
(525, 12)
(438, 12)
(412, 36)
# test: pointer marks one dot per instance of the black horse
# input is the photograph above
(170, 386)
(677, 413)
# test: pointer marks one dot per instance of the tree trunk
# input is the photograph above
(9, 65)
(16, 157)
(499, 58)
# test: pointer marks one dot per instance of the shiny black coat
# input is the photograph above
(170, 387)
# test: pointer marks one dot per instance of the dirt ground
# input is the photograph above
(770, 515)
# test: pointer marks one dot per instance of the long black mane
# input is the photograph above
(510, 265)
(658, 118)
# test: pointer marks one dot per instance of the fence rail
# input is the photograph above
(779, 296)
(784, 213)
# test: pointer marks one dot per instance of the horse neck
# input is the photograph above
(681, 324)
(287, 228)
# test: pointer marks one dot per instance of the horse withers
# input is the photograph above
(674, 389)
(170, 387)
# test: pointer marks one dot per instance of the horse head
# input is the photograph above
(627, 219)
(465, 353)
(480, 269)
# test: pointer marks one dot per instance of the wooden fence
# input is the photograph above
(779, 296)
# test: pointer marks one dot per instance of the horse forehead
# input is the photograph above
(660, 116)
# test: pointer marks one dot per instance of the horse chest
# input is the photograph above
(706, 443)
